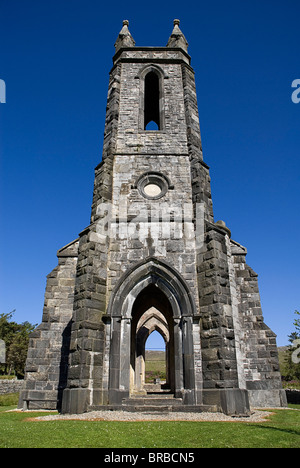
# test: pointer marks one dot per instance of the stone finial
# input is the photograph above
(177, 38)
(124, 39)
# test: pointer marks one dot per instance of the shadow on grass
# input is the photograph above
(279, 429)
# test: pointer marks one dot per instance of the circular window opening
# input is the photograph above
(152, 185)
(152, 190)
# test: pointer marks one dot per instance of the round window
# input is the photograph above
(152, 185)
(152, 190)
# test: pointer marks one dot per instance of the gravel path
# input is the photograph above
(256, 416)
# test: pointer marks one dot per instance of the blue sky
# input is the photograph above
(55, 58)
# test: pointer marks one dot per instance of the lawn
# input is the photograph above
(282, 430)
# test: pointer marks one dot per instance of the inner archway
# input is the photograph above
(155, 360)
(151, 311)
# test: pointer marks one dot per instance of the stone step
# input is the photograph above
(155, 395)
(169, 408)
(152, 401)
(149, 408)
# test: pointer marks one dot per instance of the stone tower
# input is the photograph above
(152, 258)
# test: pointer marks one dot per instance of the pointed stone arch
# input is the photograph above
(151, 270)
(151, 68)
(151, 283)
(152, 320)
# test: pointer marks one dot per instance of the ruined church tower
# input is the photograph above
(152, 258)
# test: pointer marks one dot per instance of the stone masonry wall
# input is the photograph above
(10, 386)
(216, 324)
(191, 114)
(259, 350)
(173, 137)
(85, 375)
(112, 113)
(160, 228)
(47, 361)
(238, 349)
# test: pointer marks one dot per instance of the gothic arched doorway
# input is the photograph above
(151, 311)
(150, 285)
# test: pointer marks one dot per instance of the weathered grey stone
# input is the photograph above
(152, 260)
(10, 386)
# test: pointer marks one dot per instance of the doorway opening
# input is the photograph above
(151, 296)
(155, 359)
(151, 314)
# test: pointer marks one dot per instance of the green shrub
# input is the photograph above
(9, 399)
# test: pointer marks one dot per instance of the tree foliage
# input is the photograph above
(292, 368)
(16, 338)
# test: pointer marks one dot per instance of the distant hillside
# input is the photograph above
(155, 355)
(155, 366)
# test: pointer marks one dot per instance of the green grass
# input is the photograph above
(155, 366)
(294, 406)
(282, 430)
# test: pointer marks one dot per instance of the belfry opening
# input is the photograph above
(151, 105)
